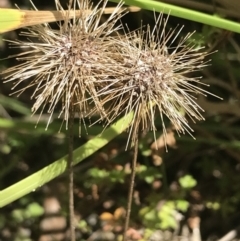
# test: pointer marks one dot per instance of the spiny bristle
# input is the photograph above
(63, 65)
(153, 81)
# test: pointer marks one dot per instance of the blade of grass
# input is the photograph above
(26, 126)
(31, 183)
(13, 104)
(185, 13)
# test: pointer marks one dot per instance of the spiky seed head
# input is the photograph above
(154, 79)
(64, 65)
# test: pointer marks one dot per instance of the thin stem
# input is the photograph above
(70, 4)
(131, 188)
(70, 176)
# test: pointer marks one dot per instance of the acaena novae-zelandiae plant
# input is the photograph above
(156, 78)
(67, 66)
(87, 70)
(64, 65)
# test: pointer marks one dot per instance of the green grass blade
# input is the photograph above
(24, 126)
(13, 104)
(185, 13)
(55, 169)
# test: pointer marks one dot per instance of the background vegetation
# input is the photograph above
(194, 187)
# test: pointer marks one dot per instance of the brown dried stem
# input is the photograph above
(131, 189)
(71, 175)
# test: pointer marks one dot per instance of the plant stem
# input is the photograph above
(189, 14)
(131, 188)
(70, 176)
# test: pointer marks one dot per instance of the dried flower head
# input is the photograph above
(154, 79)
(63, 65)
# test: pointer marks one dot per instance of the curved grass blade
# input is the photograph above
(14, 104)
(55, 169)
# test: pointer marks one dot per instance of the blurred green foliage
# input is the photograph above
(196, 178)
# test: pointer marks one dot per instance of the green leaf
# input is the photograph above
(34, 210)
(213, 205)
(18, 215)
(151, 215)
(149, 179)
(187, 182)
(13, 104)
(182, 205)
(168, 222)
(144, 211)
(98, 173)
(166, 215)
